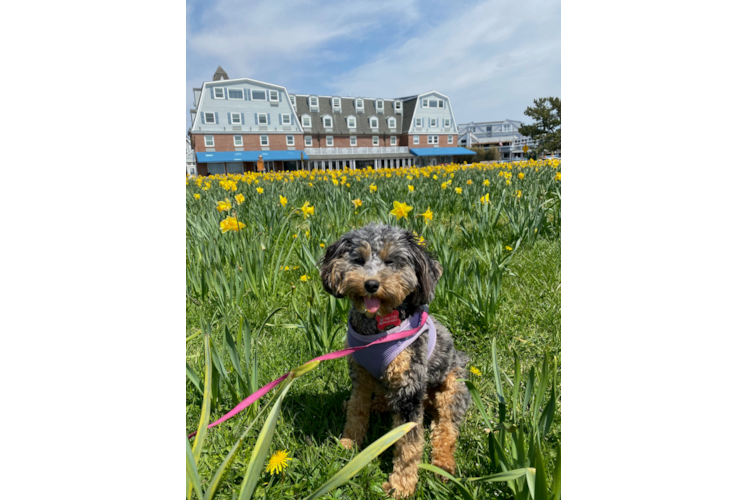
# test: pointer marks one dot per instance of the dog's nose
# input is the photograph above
(371, 286)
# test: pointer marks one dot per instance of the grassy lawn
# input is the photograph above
(527, 321)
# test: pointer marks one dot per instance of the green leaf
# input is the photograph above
(476, 397)
(202, 426)
(192, 475)
(262, 445)
(463, 489)
(541, 485)
(194, 379)
(502, 476)
(359, 461)
(556, 485)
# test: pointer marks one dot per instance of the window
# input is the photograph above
(398, 105)
(393, 140)
(262, 118)
(273, 95)
(351, 122)
(374, 122)
(447, 122)
(359, 104)
(327, 122)
(293, 100)
(209, 141)
(313, 102)
(419, 122)
(308, 141)
(259, 95)
(450, 139)
(441, 103)
(354, 141)
(424, 103)
(416, 139)
(289, 140)
(236, 94)
(329, 141)
(238, 141)
(210, 118)
(433, 139)
(285, 119)
(380, 105)
(264, 140)
(336, 102)
(432, 122)
(218, 93)
(236, 118)
(391, 123)
(375, 140)
(306, 121)
(432, 103)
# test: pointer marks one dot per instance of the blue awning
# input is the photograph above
(229, 156)
(440, 151)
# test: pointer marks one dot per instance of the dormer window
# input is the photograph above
(360, 105)
(374, 122)
(306, 121)
(218, 93)
(391, 122)
(380, 106)
(351, 122)
(398, 106)
(327, 121)
(293, 101)
(314, 103)
(336, 103)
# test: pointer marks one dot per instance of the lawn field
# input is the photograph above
(256, 309)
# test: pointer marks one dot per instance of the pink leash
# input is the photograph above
(333, 355)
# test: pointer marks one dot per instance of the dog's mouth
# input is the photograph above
(372, 304)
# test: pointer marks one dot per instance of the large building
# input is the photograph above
(503, 135)
(235, 122)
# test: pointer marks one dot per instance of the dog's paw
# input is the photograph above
(347, 443)
(396, 487)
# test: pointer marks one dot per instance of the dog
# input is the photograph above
(390, 279)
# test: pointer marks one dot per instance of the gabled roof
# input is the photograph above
(220, 74)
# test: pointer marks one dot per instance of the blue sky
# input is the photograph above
(492, 58)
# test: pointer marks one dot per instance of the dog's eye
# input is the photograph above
(359, 261)
(389, 262)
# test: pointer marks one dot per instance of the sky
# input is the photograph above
(491, 58)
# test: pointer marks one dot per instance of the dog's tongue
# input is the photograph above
(372, 304)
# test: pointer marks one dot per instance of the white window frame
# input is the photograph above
(313, 106)
(266, 118)
(329, 141)
(285, 116)
(232, 118)
(241, 141)
(293, 100)
(213, 114)
(304, 119)
(339, 103)
(270, 96)
(393, 121)
(440, 103)
(354, 141)
(397, 105)
(362, 104)
(307, 141)
(435, 100)
(374, 122)
(375, 140)
(447, 122)
(424, 102)
(212, 141)
(379, 105)
(292, 143)
(419, 122)
(252, 94)
(393, 140)
(348, 121)
(215, 95)
(228, 95)
(450, 139)
(264, 138)
(433, 122)
(326, 117)
(433, 139)
(416, 139)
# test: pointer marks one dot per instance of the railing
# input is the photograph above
(357, 150)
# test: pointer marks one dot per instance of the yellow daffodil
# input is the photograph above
(458, 190)
(197, 196)
(372, 188)
(486, 182)
(436, 177)
(322, 245)
(508, 182)
(558, 176)
(469, 182)
(519, 194)
(484, 199)
(304, 278)
(260, 190)
(239, 198)
(444, 185)
(475, 371)
(400, 210)
(307, 210)
(427, 215)
(410, 188)
(223, 206)
(521, 175)
(278, 462)
(357, 202)
(231, 224)
(283, 200)
(306, 233)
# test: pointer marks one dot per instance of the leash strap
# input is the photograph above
(325, 357)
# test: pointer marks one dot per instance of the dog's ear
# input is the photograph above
(331, 266)
(428, 271)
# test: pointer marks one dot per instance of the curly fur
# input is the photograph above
(407, 276)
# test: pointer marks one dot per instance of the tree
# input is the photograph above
(546, 131)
